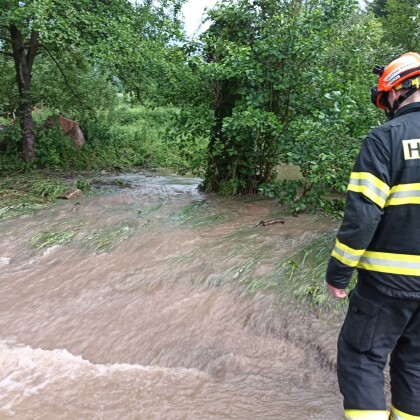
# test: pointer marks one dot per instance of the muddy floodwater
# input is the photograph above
(146, 302)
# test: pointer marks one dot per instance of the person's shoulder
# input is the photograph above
(380, 136)
(405, 116)
(389, 126)
(381, 130)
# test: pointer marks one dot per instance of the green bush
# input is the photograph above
(10, 149)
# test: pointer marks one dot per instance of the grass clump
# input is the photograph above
(54, 236)
(103, 241)
(48, 239)
(304, 273)
(25, 193)
(187, 213)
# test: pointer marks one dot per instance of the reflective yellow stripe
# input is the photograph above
(385, 262)
(366, 414)
(404, 194)
(370, 186)
(347, 255)
(399, 415)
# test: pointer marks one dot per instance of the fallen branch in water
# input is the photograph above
(270, 222)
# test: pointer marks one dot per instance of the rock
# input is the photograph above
(72, 129)
(73, 192)
(69, 127)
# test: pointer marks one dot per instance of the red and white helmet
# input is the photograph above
(399, 74)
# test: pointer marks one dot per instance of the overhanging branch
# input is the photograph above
(63, 74)
(60, 69)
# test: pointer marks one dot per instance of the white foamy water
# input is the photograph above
(4, 261)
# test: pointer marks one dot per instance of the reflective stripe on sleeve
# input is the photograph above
(385, 262)
(370, 186)
(346, 255)
(404, 194)
(366, 414)
(399, 415)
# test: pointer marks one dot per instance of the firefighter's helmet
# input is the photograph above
(399, 74)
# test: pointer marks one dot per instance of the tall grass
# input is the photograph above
(125, 138)
(304, 274)
(24, 193)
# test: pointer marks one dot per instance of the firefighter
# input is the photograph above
(380, 237)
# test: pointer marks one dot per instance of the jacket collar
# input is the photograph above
(413, 107)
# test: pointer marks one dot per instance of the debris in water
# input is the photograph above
(73, 192)
(270, 222)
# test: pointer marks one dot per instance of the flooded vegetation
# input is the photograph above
(152, 300)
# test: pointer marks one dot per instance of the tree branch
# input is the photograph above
(60, 69)
(33, 46)
(63, 74)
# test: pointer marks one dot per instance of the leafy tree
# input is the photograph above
(151, 65)
(264, 57)
(400, 20)
(377, 7)
(401, 24)
(105, 32)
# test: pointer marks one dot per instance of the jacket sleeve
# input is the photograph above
(367, 193)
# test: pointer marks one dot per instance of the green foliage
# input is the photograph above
(76, 90)
(126, 138)
(401, 24)
(377, 7)
(302, 196)
(289, 82)
(269, 82)
(265, 64)
(75, 47)
(188, 138)
(285, 190)
(10, 148)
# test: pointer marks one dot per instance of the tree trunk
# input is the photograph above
(23, 56)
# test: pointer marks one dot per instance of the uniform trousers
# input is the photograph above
(378, 326)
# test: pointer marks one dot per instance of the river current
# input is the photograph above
(142, 303)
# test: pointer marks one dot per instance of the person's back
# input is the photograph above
(391, 262)
(380, 237)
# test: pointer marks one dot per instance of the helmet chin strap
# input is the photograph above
(391, 112)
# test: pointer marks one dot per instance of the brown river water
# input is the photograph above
(141, 308)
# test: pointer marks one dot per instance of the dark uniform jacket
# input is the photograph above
(380, 232)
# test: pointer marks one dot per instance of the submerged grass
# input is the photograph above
(48, 239)
(7, 211)
(55, 236)
(299, 278)
(24, 193)
(187, 213)
(156, 208)
(302, 276)
(207, 220)
(104, 241)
